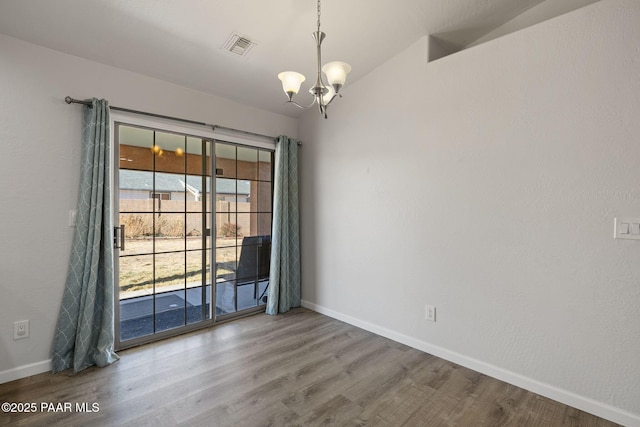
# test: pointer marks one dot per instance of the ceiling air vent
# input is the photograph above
(239, 45)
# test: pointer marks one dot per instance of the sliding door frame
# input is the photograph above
(213, 136)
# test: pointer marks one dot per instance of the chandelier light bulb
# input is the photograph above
(336, 73)
(291, 81)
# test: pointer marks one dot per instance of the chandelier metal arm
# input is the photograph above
(306, 107)
(332, 98)
(301, 106)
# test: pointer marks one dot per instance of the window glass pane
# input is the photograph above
(244, 225)
(194, 305)
(135, 190)
(168, 192)
(138, 232)
(135, 148)
(247, 294)
(168, 152)
(254, 257)
(247, 163)
(263, 291)
(170, 271)
(248, 261)
(254, 224)
(243, 193)
(170, 310)
(194, 268)
(225, 297)
(226, 192)
(265, 166)
(136, 276)
(225, 161)
(194, 231)
(263, 224)
(169, 235)
(227, 228)
(226, 263)
(193, 156)
(263, 203)
(194, 187)
(194, 292)
(136, 317)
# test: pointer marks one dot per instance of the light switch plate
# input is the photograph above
(73, 215)
(626, 228)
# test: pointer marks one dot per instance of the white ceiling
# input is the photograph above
(181, 40)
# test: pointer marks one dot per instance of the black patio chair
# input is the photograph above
(254, 262)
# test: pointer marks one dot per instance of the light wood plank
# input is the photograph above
(296, 369)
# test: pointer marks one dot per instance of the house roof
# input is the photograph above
(170, 182)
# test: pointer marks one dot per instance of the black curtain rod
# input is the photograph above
(70, 100)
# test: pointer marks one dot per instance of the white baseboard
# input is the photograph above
(583, 403)
(25, 371)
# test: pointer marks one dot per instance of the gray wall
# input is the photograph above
(486, 184)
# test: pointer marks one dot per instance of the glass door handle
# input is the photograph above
(115, 237)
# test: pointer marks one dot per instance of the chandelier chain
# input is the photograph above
(318, 15)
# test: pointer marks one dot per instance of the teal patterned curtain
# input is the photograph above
(85, 331)
(284, 277)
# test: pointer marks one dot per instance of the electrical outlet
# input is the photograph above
(430, 313)
(20, 329)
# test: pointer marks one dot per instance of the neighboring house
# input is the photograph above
(139, 185)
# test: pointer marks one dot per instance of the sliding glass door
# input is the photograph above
(163, 234)
(244, 187)
(169, 202)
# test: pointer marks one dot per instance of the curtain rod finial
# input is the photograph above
(67, 99)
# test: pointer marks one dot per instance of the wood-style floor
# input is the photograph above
(298, 369)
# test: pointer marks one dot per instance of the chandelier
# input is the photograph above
(336, 74)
